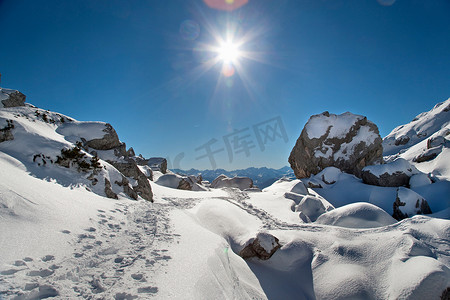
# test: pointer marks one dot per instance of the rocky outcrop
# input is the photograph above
(175, 181)
(109, 141)
(130, 169)
(11, 98)
(348, 142)
(262, 247)
(127, 188)
(394, 174)
(158, 164)
(428, 154)
(6, 132)
(408, 203)
(108, 190)
(241, 183)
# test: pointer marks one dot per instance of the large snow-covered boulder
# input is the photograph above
(95, 135)
(408, 203)
(394, 174)
(262, 247)
(223, 181)
(347, 141)
(357, 215)
(11, 98)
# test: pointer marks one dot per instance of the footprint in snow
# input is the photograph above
(148, 290)
(28, 259)
(19, 263)
(9, 272)
(91, 229)
(45, 291)
(31, 286)
(66, 231)
(137, 276)
(40, 273)
(48, 258)
(124, 296)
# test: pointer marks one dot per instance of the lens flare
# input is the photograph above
(228, 70)
(228, 5)
(228, 52)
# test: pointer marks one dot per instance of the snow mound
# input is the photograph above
(399, 165)
(76, 130)
(357, 215)
(408, 203)
(169, 180)
(224, 181)
(330, 175)
(419, 180)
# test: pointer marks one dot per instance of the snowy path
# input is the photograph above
(116, 258)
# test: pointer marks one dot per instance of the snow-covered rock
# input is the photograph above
(419, 180)
(329, 175)
(393, 174)
(347, 141)
(428, 154)
(408, 203)
(423, 127)
(262, 247)
(96, 135)
(313, 207)
(300, 188)
(176, 181)
(11, 98)
(223, 181)
(169, 180)
(356, 215)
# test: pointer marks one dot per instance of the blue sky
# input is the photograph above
(143, 67)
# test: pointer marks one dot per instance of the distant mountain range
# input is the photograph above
(262, 177)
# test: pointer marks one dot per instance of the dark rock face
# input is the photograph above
(409, 203)
(108, 190)
(428, 154)
(109, 141)
(347, 141)
(127, 189)
(184, 185)
(403, 140)
(130, 169)
(262, 247)
(158, 164)
(15, 99)
(6, 132)
(392, 180)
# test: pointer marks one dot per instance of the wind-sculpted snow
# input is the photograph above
(357, 215)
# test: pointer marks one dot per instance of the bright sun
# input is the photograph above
(228, 52)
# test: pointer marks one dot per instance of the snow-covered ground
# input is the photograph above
(60, 236)
(69, 242)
